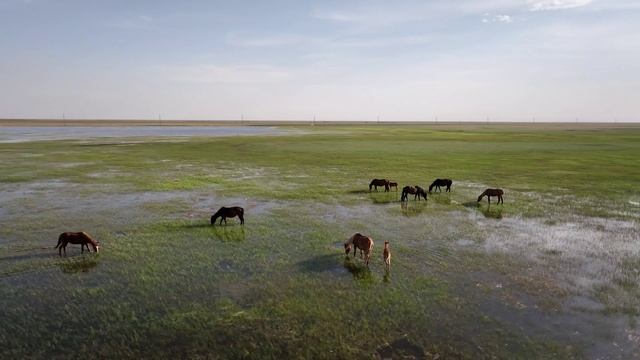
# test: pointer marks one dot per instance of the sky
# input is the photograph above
(445, 60)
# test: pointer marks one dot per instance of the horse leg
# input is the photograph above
(241, 219)
(65, 250)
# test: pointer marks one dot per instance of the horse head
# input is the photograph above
(347, 248)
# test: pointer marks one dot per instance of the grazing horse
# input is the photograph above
(379, 182)
(228, 212)
(393, 184)
(441, 182)
(81, 238)
(386, 255)
(492, 192)
(359, 241)
(417, 191)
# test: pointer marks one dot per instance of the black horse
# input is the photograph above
(228, 212)
(417, 191)
(379, 182)
(441, 182)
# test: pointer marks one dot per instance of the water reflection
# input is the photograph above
(229, 233)
(412, 208)
(79, 264)
(489, 210)
(494, 212)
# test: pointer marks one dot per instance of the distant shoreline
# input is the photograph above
(139, 122)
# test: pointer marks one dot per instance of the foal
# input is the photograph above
(386, 255)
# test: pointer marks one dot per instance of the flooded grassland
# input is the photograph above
(551, 274)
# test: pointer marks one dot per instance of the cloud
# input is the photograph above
(133, 22)
(541, 5)
(234, 74)
(501, 18)
(327, 42)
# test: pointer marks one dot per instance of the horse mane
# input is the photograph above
(88, 237)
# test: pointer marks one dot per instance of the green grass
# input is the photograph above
(166, 284)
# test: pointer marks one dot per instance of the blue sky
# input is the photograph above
(506, 60)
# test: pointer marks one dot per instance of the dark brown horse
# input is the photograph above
(441, 182)
(417, 191)
(228, 212)
(393, 185)
(81, 238)
(379, 182)
(359, 241)
(492, 192)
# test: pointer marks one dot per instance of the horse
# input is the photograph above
(228, 212)
(417, 191)
(492, 192)
(359, 241)
(379, 182)
(81, 238)
(441, 182)
(386, 255)
(393, 184)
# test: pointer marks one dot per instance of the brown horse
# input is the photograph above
(417, 191)
(359, 241)
(393, 185)
(379, 182)
(228, 212)
(81, 238)
(492, 192)
(441, 182)
(386, 255)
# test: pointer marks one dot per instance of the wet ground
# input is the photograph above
(529, 279)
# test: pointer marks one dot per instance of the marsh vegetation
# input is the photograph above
(553, 273)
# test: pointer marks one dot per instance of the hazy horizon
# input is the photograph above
(495, 60)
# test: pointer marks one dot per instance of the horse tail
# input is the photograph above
(60, 238)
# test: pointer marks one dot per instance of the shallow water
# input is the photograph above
(22, 134)
(527, 279)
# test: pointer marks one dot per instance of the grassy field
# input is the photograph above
(551, 274)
